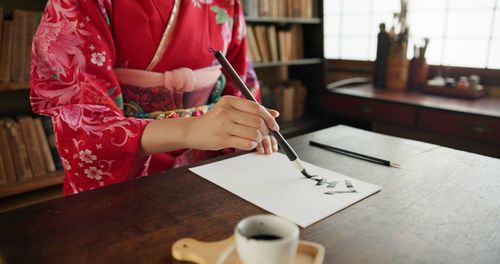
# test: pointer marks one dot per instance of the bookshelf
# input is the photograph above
(308, 69)
(14, 104)
(48, 180)
(284, 20)
(305, 65)
(13, 86)
(287, 63)
(24, 178)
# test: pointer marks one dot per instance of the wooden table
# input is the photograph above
(442, 206)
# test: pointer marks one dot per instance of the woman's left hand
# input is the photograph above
(268, 144)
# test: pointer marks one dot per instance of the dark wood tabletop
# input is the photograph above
(442, 206)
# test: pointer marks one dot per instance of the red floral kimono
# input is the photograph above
(98, 121)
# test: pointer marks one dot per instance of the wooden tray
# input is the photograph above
(188, 249)
(454, 92)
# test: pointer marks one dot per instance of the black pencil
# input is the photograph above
(355, 155)
(290, 153)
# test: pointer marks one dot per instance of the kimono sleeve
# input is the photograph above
(72, 81)
(237, 55)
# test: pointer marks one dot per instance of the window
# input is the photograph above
(463, 32)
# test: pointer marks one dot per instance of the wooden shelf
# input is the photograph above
(284, 20)
(51, 179)
(287, 63)
(30, 198)
(14, 86)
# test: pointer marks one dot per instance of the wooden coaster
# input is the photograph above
(189, 249)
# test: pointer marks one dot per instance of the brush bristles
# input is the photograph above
(395, 165)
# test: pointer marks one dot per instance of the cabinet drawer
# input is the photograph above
(371, 110)
(460, 125)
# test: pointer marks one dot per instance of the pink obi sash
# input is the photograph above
(178, 80)
(177, 93)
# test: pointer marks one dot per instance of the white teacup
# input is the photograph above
(263, 239)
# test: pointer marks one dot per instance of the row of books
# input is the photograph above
(16, 36)
(27, 149)
(288, 98)
(280, 8)
(272, 43)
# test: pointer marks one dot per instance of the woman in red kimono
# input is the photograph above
(128, 85)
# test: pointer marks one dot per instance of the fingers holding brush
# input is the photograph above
(268, 145)
(233, 122)
(250, 120)
(273, 112)
(254, 109)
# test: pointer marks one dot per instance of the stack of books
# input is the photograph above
(280, 8)
(288, 98)
(270, 43)
(27, 149)
(16, 37)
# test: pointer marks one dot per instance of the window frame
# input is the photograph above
(488, 75)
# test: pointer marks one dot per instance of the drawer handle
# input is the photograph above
(480, 128)
(366, 109)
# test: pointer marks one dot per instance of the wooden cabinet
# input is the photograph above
(372, 110)
(464, 126)
(472, 125)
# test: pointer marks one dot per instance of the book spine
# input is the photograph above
(1, 24)
(267, 96)
(3, 171)
(262, 42)
(244, 5)
(300, 100)
(3, 174)
(44, 146)
(49, 131)
(282, 46)
(6, 51)
(273, 43)
(252, 45)
(278, 101)
(8, 161)
(255, 8)
(18, 148)
(33, 149)
(288, 103)
(32, 21)
(18, 52)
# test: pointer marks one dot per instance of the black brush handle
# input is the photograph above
(236, 78)
(350, 153)
(290, 153)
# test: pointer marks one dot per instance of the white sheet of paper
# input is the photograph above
(274, 184)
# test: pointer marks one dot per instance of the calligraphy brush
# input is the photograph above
(355, 155)
(290, 153)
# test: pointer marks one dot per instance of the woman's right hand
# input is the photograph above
(233, 122)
